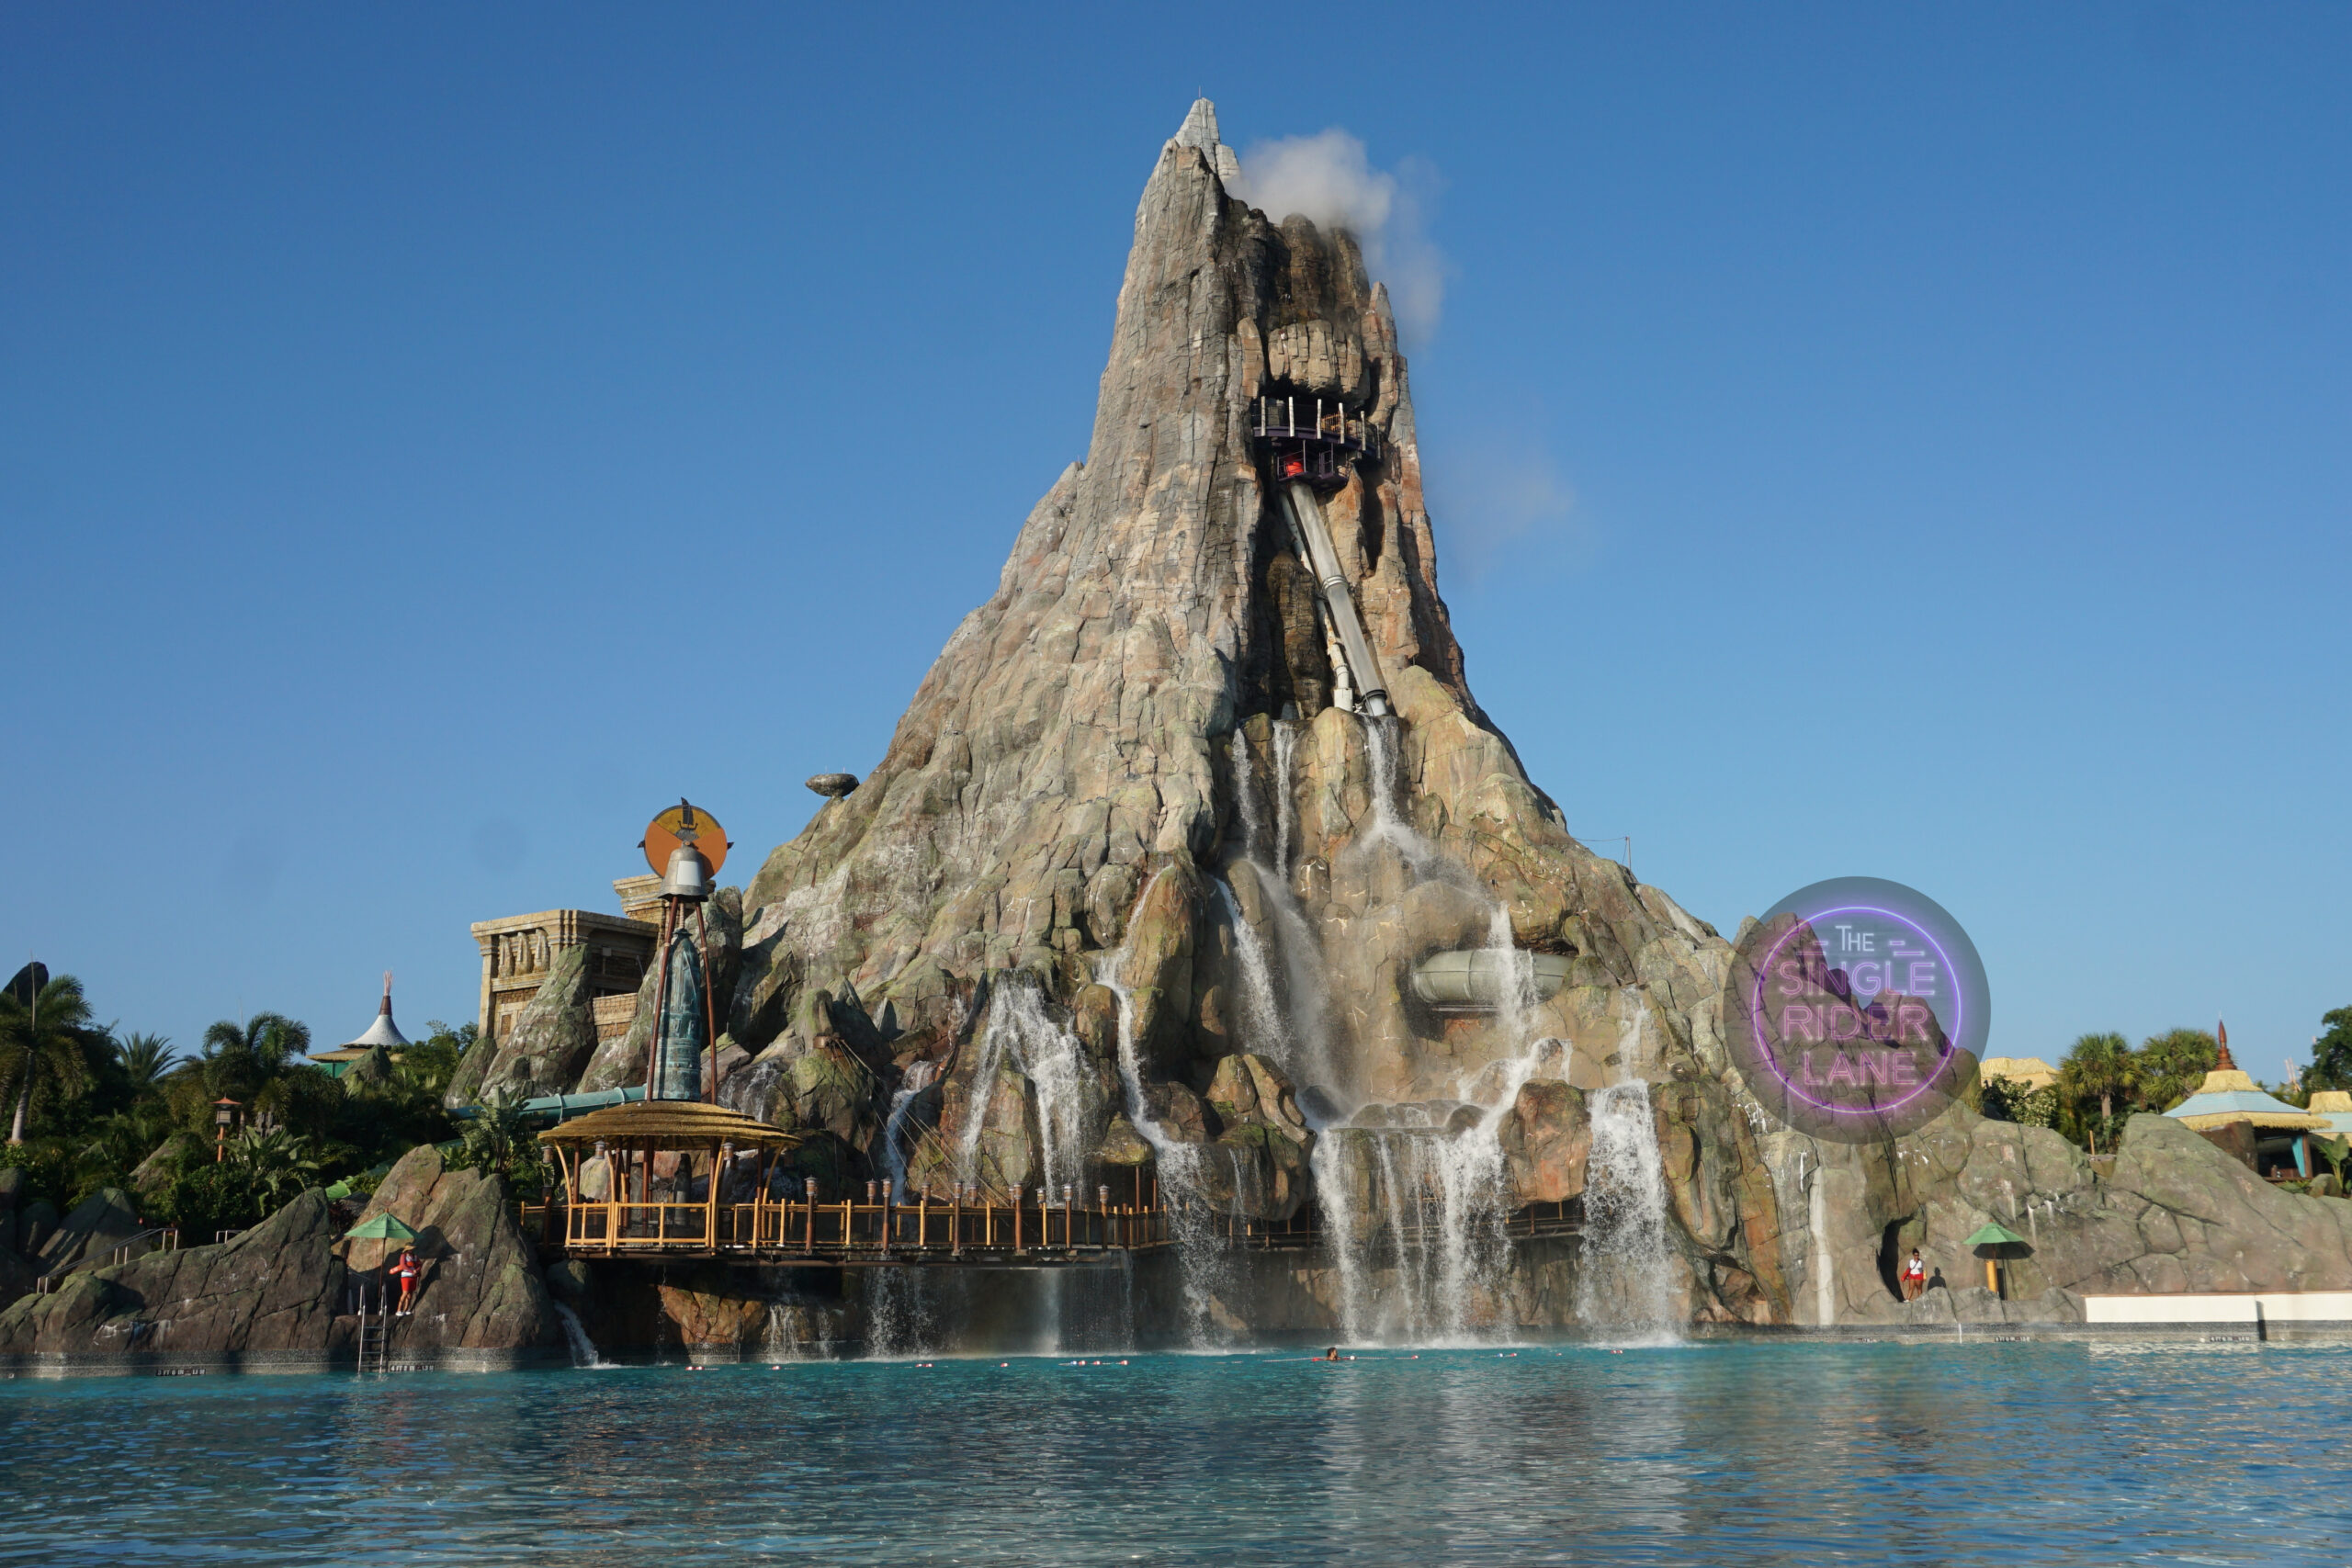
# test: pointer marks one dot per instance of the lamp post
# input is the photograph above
(224, 1111)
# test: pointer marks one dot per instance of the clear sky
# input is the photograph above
(1907, 441)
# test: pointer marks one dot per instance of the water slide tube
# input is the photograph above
(1315, 540)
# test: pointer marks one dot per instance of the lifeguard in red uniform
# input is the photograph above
(405, 1271)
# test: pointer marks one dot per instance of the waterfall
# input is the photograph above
(983, 1095)
(747, 1090)
(1388, 824)
(583, 1349)
(1309, 994)
(1623, 1272)
(898, 1320)
(1435, 1194)
(1825, 1286)
(1049, 1056)
(1245, 796)
(1334, 1196)
(1433, 1198)
(1286, 743)
(919, 1076)
(1303, 1054)
(1301, 1044)
(1199, 1252)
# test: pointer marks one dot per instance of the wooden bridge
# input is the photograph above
(986, 1232)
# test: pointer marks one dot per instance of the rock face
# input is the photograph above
(549, 1046)
(275, 1286)
(482, 1287)
(2175, 1214)
(1127, 890)
(104, 1221)
(281, 1286)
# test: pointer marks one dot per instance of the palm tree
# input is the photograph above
(2101, 1066)
(42, 1036)
(240, 1062)
(144, 1059)
(2171, 1065)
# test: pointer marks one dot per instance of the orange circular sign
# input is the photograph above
(684, 824)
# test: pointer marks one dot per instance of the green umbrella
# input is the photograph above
(388, 1227)
(383, 1230)
(1995, 1235)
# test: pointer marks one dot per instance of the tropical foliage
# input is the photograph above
(2103, 1080)
(2100, 1070)
(93, 1110)
(2331, 1053)
(46, 1047)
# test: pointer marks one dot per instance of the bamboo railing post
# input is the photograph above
(811, 1237)
(955, 1223)
(720, 1158)
(1018, 1193)
(890, 1213)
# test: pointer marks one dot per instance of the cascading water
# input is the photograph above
(1432, 1189)
(1388, 826)
(1302, 1054)
(899, 1316)
(1286, 745)
(1245, 794)
(1200, 1253)
(1623, 1272)
(1049, 1056)
(1300, 1041)
(583, 1349)
(919, 1076)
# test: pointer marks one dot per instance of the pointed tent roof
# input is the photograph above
(383, 1032)
(2228, 1095)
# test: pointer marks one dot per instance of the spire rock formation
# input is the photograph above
(1068, 742)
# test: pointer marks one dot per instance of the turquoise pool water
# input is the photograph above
(1739, 1452)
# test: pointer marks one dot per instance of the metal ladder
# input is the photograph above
(375, 1329)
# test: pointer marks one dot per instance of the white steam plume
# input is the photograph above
(1494, 494)
(1328, 179)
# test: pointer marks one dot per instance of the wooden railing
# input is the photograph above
(926, 1228)
(931, 1229)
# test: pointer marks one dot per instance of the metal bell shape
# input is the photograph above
(689, 875)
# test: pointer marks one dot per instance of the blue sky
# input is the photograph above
(1904, 443)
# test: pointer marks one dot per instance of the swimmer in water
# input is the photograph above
(1331, 1353)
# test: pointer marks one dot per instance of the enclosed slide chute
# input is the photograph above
(1322, 443)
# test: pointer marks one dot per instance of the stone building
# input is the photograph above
(518, 951)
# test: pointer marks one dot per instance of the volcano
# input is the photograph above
(1194, 867)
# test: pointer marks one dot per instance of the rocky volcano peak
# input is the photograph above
(1199, 132)
(1069, 732)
